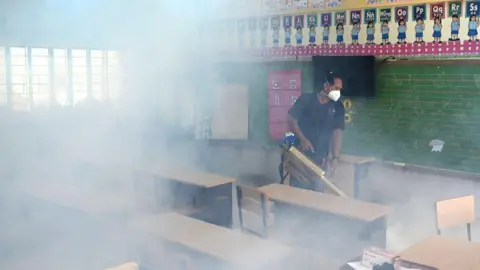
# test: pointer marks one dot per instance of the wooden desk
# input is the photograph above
(125, 266)
(209, 195)
(325, 202)
(187, 176)
(350, 172)
(343, 220)
(443, 253)
(228, 246)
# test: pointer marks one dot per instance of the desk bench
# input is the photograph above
(211, 194)
(348, 219)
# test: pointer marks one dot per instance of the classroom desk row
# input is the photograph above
(214, 247)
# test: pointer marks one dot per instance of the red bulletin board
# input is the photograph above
(284, 87)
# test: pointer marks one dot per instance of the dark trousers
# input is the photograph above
(310, 184)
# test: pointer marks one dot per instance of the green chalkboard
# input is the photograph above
(417, 103)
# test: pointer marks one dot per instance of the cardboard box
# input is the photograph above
(377, 256)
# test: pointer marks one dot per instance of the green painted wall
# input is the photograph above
(416, 102)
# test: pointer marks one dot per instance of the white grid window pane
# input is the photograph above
(19, 68)
(41, 94)
(60, 77)
(98, 69)
(40, 76)
(79, 75)
(3, 78)
(113, 75)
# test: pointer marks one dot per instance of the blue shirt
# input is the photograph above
(385, 29)
(369, 31)
(340, 32)
(298, 35)
(455, 25)
(402, 29)
(437, 27)
(326, 33)
(312, 33)
(472, 25)
(317, 121)
(419, 28)
(355, 31)
(288, 34)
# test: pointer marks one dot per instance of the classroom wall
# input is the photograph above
(416, 102)
(233, 40)
(245, 33)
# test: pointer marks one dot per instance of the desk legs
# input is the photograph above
(334, 235)
(360, 174)
(213, 205)
(216, 204)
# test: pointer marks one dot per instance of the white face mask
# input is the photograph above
(334, 95)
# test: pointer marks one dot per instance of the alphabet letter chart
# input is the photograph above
(284, 88)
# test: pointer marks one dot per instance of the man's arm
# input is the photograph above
(294, 114)
(338, 127)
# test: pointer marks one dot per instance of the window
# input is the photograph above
(60, 77)
(79, 75)
(20, 97)
(99, 83)
(40, 71)
(3, 79)
(113, 75)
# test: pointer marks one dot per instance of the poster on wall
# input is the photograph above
(333, 3)
(437, 10)
(275, 22)
(401, 13)
(419, 12)
(473, 8)
(326, 19)
(317, 4)
(287, 22)
(385, 2)
(285, 5)
(355, 17)
(285, 86)
(370, 15)
(299, 4)
(269, 6)
(385, 14)
(340, 17)
(312, 20)
(455, 8)
(299, 21)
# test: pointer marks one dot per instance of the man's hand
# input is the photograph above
(332, 166)
(306, 145)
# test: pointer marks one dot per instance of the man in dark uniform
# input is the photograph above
(318, 121)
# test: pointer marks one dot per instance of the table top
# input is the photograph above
(326, 202)
(188, 176)
(444, 253)
(225, 244)
(356, 159)
(125, 266)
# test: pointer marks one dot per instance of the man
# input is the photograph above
(318, 121)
